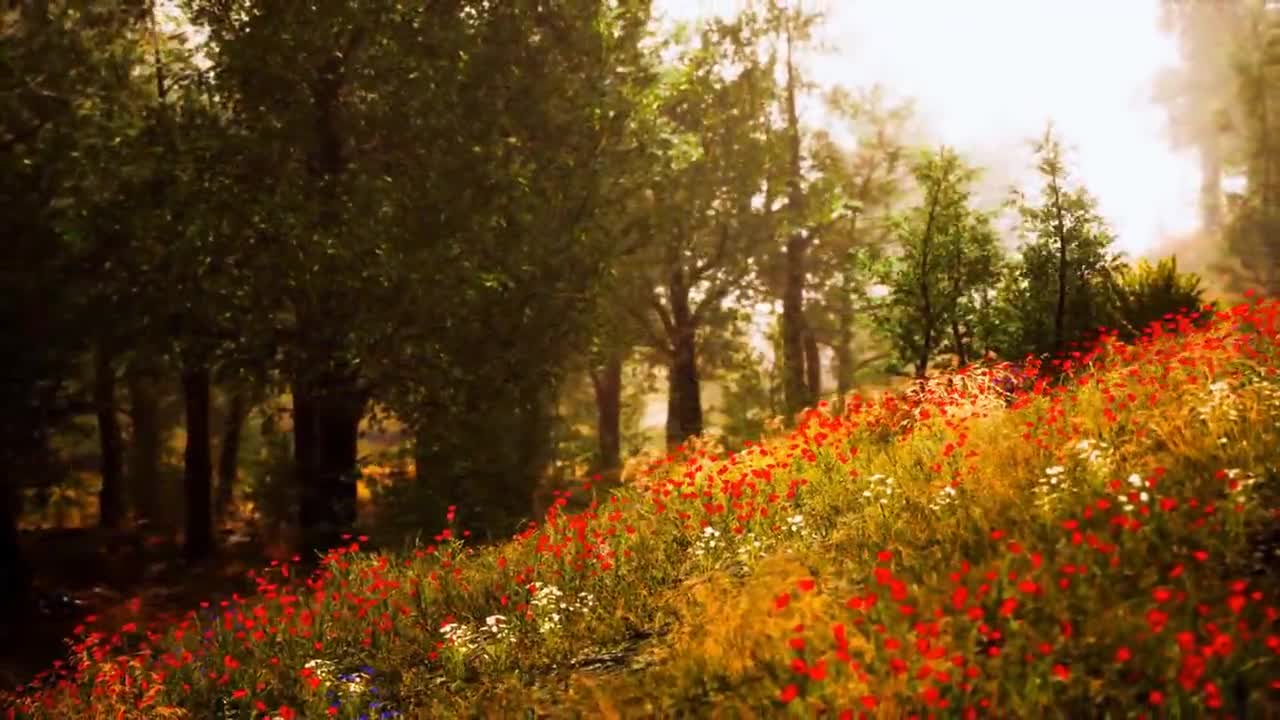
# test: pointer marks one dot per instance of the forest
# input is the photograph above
(462, 358)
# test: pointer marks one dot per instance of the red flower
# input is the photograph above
(1156, 619)
(1062, 672)
(789, 693)
(1123, 655)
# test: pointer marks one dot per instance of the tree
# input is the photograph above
(1202, 108)
(421, 184)
(63, 82)
(800, 360)
(1254, 224)
(1065, 270)
(945, 261)
(704, 230)
(871, 180)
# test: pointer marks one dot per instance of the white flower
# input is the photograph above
(1135, 480)
(1055, 470)
(323, 669)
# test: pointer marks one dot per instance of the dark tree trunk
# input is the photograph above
(111, 506)
(684, 388)
(328, 404)
(795, 385)
(957, 337)
(812, 364)
(797, 390)
(229, 453)
(327, 414)
(197, 468)
(144, 447)
(684, 398)
(15, 573)
(607, 382)
(844, 368)
(534, 453)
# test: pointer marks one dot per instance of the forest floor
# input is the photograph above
(113, 575)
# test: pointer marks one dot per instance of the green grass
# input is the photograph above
(1100, 549)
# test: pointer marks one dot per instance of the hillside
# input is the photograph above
(1103, 548)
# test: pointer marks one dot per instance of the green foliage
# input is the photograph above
(751, 389)
(940, 282)
(1061, 290)
(1147, 293)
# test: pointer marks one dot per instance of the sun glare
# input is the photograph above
(987, 75)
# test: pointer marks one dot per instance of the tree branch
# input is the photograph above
(641, 317)
(714, 296)
(716, 258)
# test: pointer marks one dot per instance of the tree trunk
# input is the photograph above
(535, 452)
(812, 364)
(15, 573)
(607, 382)
(684, 395)
(145, 445)
(1060, 228)
(197, 468)
(1210, 187)
(327, 414)
(795, 385)
(229, 453)
(111, 506)
(797, 390)
(957, 337)
(926, 301)
(844, 353)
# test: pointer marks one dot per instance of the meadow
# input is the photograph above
(1102, 546)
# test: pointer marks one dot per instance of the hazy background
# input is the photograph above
(959, 61)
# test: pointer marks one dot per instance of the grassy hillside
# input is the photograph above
(1103, 549)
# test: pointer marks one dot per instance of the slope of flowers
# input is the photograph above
(1099, 548)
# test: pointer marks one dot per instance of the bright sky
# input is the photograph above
(987, 75)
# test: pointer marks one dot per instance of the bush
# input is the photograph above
(1148, 293)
